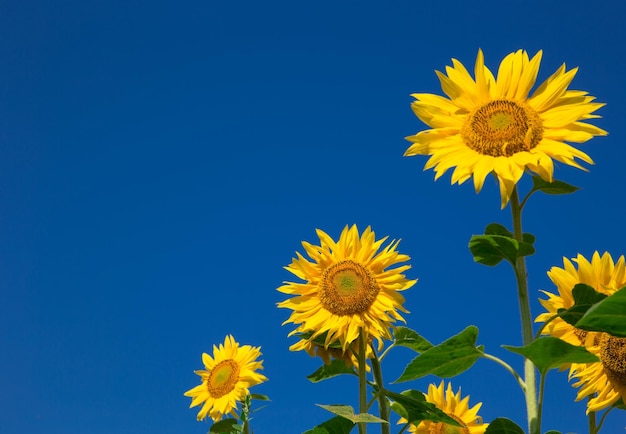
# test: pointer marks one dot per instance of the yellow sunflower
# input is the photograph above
(605, 380)
(333, 351)
(491, 125)
(455, 407)
(348, 287)
(228, 375)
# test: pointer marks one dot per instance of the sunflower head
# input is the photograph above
(492, 124)
(226, 378)
(349, 287)
(603, 381)
(317, 348)
(454, 406)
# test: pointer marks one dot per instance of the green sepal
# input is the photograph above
(348, 412)
(319, 340)
(450, 358)
(225, 426)
(259, 397)
(608, 315)
(498, 243)
(502, 425)
(549, 352)
(554, 187)
(336, 367)
(584, 297)
(405, 337)
(412, 406)
(336, 425)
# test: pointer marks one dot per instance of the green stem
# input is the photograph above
(383, 405)
(592, 419)
(508, 368)
(542, 383)
(606, 413)
(362, 381)
(527, 325)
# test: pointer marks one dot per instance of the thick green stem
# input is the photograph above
(362, 381)
(527, 325)
(542, 384)
(592, 420)
(383, 405)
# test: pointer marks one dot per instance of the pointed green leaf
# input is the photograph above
(336, 425)
(549, 352)
(348, 412)
(223, 426)
(336, 367)
(412, 405)
(406, 337)
(584, 297)
(491, 249)
(554, 187)
(447, 359)
(502, 425)
(259, 397)
(608, 315)
(498, 243)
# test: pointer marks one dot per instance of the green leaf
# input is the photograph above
(549, 352)
(412, 405)
(502, 425)
(608, 315)
(406, 337)
(259, 397)
(348, 412)
(553, 431)
(336, 425)
(584, 297)
(447, 359)
(497, 244)
(223, 426)
(336, 367)
(554, 187)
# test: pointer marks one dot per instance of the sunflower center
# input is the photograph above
(443, 428)
(223, 378)
(347, 288)
(502, 128)
(613, 357)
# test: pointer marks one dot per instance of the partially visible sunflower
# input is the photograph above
(604, 381)
(455, 407)
(348, 287)
(333, 351)
(228, 376)
(490, 125)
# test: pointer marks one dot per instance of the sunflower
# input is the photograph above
(228, 375)
(605, 380)
(348, 288)
(455, 407)
(333, 351)
(492, 125)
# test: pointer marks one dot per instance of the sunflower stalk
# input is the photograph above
(382, 399)
(521, 276)
(362, 381)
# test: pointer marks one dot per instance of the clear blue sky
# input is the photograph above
(160, 163)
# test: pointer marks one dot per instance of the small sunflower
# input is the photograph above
(228, 375)
(455, 407)
(605, 380)
(492, 125)
(348, 287)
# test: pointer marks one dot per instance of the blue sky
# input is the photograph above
(160, 162)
